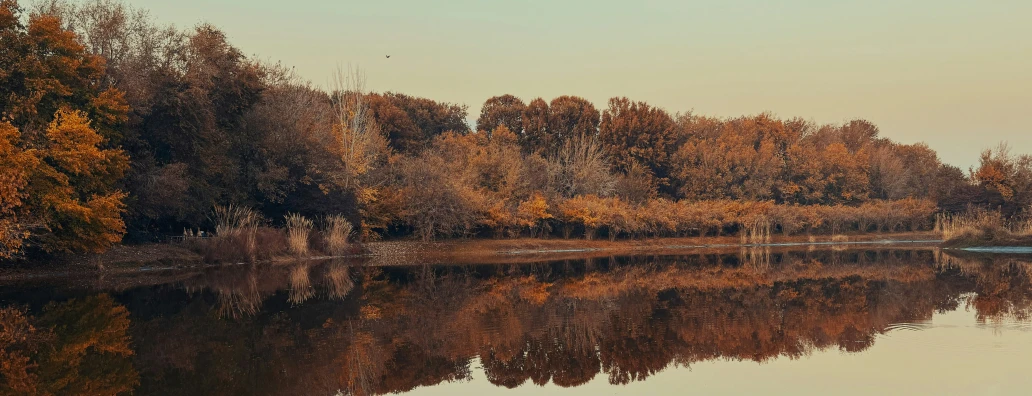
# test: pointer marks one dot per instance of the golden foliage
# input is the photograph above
(60, 194)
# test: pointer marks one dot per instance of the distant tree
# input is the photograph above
(1005, 178)
(858, 134)
(581, 167)
(637, 132)
(741, 158)
(536, 136)
(504, 110)
(571, 116)
(411, 123)
(825, 175)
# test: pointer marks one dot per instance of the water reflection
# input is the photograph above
(334, 328)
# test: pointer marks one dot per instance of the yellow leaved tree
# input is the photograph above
(59, 194)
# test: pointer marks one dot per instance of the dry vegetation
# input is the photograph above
(244, 236)
(984, 228)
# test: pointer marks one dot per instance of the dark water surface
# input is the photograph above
(891, 321)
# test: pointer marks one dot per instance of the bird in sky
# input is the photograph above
(388, 56)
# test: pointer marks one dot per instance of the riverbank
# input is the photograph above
(150, 257)
(531, 250)
(993, 241)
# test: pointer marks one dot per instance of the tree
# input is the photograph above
(572, 116)
(827, 175)
(411, 123)
(1005, 178)
(504, 110)
(740, 158)
(72, 193)
(536, 137)
(15, 166)
(636, 132)
(858, 134)
(580, 167)
(192, 134)
(45, 68)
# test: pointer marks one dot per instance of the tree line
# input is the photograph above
(115, 127)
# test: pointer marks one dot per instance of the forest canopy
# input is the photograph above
(113, 127)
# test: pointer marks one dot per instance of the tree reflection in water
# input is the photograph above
(326, 328)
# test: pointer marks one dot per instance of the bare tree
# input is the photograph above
(581, 167)
(359, 137)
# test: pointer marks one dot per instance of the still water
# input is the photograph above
(891, 321)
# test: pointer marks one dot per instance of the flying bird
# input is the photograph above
(388, 56)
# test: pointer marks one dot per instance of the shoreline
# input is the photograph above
(127, 259)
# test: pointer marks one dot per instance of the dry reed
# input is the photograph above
(298, 228)
(983, 227)
(336, 231)
(237, 223)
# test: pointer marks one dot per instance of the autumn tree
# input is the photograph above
(742, 158)
(61, 125)
(191, 134)
(299, 131)
(899, 171)
(501, 110)
(1005, 176)
(45, 68)
(572, 116)
(580, 167)
(16, 164)
(65, 200)
(829, 174)
(411, 123)
(637, 132)
(536, 136)
(858, 134)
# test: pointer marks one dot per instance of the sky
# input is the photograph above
(950, 354)
(956, 75)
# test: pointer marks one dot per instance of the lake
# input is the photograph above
(904, 320)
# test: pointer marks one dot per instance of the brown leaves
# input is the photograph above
(637, 132)
(504, 110)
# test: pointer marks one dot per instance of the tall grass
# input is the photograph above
(237, 226)
(298, 229)
(336, 231)
(980, 225)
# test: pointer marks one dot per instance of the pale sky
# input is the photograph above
(954, 74)
(950, 355)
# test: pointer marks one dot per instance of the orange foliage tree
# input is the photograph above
(635, 132)
(67, 200)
